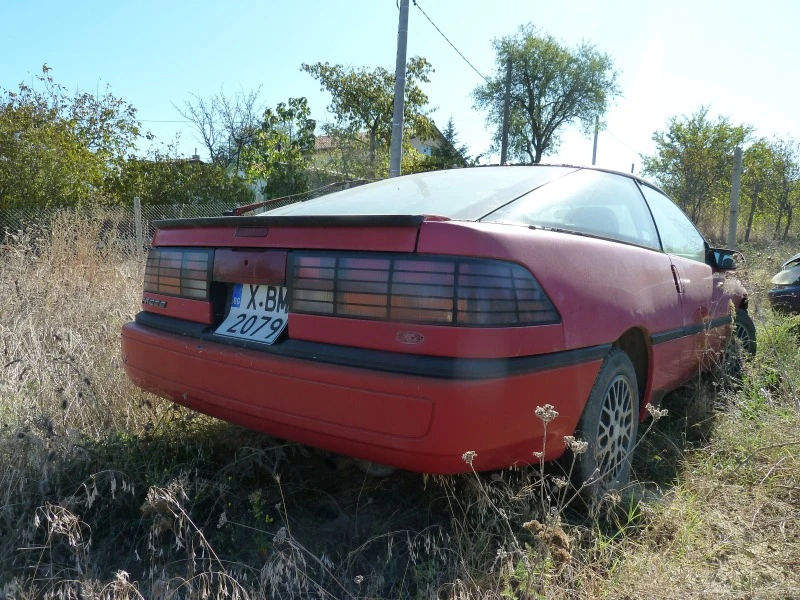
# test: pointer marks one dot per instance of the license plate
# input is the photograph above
(259, 313)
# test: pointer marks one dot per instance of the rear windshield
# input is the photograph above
(790, 276)
(466, 194)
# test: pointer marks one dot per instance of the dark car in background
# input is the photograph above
(785, 293)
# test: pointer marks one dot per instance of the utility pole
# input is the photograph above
(506, 115)
(737, 177)
(396, 150)
(596, 132)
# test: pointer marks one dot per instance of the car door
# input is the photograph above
(693, 279)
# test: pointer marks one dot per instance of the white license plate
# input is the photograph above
(259, 313)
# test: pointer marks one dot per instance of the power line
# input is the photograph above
(449, 42)
(161, 121)
(622, 142)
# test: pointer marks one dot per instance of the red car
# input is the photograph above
(409, 321)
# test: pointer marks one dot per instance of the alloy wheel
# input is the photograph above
(615, 428)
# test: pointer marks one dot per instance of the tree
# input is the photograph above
(693, 163)
(58, 149)
(281, 149)
(362, 102)
(552, 85)
(787, 181)
(165, 178)
(758, 188)
(448, 153)
(226, 124)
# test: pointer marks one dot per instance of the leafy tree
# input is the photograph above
(58, 149)
(552, 85)
(165, 178)
(281, 149)
(758, 188)
(693, 162)
(226, 124)
(449, 152)
(362, 102)
(787, 181)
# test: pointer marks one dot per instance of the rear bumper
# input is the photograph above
(419, 423)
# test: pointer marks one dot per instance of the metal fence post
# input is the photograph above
(137, 224)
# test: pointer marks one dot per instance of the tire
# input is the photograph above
(609, 425)
(741, 344)
(745, 331)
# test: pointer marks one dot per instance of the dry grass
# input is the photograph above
(108, 492)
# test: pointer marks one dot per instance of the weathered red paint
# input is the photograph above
(602, 290)
(198, 311)
(416, 423)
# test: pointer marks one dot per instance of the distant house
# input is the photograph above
(326, 143)
(327, 161)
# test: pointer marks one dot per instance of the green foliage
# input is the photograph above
(551, 85)
(770, 191)
(165, 179)
(281, 149)
(693, 161)
(58, 149)
(448, 153)
(362, 102)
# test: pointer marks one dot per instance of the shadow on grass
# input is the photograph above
(664, 444)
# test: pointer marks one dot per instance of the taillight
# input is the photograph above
(424, 289)
(183, 272)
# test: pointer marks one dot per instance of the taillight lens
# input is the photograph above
(183, 272)
(425, 289)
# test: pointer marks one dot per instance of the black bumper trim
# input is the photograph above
(674, 334)
(440, 367)
(294, 221)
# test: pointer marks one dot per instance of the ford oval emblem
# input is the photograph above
(409, 337)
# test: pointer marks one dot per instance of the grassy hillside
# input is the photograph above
(108, 492)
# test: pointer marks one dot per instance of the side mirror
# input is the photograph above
(723, 259)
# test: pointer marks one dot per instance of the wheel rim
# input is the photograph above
(742, 335)
(615, 432)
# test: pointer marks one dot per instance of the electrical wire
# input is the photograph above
(622, 142)
(161, 121)
(449, 42)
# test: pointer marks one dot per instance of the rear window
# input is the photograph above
(466, 194)
(587, 201)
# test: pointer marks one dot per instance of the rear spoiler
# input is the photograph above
(300, 221)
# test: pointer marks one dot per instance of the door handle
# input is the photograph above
(677, 278)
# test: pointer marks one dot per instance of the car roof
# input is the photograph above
(589, 168)
(463, 193)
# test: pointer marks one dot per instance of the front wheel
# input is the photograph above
(609, 424)
(741, 343)
(744, 331)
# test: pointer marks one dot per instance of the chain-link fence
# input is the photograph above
(117, 225)
(123, 227)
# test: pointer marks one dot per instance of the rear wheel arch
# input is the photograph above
(634, 343)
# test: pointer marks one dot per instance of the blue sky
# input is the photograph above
(738, 57)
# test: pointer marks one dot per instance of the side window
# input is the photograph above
(586, 201)
(678, 235)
